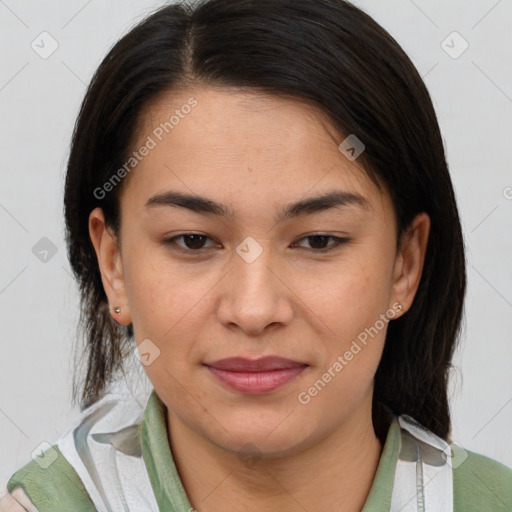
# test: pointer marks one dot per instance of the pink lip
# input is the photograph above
(255, 376)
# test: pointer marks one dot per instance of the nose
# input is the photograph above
(254, 296)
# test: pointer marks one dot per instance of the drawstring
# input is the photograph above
(419, 481)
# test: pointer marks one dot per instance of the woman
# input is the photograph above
(257, 197)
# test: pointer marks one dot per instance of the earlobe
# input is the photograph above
(110, 264)
(410, 260)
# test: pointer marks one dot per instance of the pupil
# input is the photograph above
(320, 239)
(196, 238)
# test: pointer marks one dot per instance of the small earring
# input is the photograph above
(117, 311)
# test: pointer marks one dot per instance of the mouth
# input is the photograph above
(255, 376)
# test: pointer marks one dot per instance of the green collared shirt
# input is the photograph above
(480, 484)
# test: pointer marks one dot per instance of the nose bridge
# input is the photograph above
(254, 297)
(251, 267)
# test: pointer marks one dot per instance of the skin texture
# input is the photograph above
(255, 154)
(17, 501)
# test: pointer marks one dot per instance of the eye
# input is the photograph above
(193, 242)
(318, 241)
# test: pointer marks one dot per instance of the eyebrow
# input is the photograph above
(308, 206)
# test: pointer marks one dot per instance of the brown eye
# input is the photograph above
(318, 242)
(192, 242)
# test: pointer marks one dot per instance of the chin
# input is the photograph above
(257, 434)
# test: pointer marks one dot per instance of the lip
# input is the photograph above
(255, 376)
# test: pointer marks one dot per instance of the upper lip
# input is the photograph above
(264, 364)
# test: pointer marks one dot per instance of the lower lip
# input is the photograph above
(257, 383)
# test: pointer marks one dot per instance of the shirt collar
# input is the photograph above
(170, 493)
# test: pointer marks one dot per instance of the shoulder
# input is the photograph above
(77, 471)
(51, 484)
(480, 483)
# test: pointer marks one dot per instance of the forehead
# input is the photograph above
(242, 143)
(240, 113)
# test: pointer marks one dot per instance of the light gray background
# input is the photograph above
(39, 99)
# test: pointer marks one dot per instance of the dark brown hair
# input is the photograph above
(327, 52)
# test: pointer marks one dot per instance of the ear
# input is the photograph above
(111, 268)
(409, 261)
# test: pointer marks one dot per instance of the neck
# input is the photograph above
(334, 474)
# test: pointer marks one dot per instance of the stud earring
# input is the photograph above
(400, 307)
(117, 311)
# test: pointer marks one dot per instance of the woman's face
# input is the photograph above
(241, 273)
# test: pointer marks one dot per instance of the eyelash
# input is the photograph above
(338, 242)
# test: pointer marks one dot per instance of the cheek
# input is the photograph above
(353, 298)
(169, 307)
(161, 294)
(351, 354)
(354, 306)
